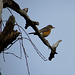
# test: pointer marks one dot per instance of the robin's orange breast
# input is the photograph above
(46, 33)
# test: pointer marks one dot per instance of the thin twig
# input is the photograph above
(3, 56)
(26, 58)
(9, 11)
(11, 44)
(39, 53)
(20, 49)
(22, 46)
(36, 49)
(24, 51)
(12, 54)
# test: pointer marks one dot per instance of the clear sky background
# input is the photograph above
(59, 13)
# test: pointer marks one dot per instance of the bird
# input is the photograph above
(44, 31)
(53, 51)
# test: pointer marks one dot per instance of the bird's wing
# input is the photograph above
(41, 30)
(44, 29)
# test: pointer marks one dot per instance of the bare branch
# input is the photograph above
(8, 35)
(36, 49)
(1, 7)
(29, 22)
(53, 52)
(56, 44)
(12, 44)
(3, 56)
(26, 58)
(20, 49)
(12, 54)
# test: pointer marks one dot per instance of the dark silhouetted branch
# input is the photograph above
(36, 49)
(1, 7)
(53, 52)
(8, 35)
(29, 22)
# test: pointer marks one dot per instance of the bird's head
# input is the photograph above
(51, 27)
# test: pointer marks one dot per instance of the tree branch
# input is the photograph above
(53, 52)
(29, 22)
(8, 35)
(1, 7)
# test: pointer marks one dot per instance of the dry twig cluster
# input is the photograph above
(9, 36)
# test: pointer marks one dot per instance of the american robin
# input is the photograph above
(44, 31)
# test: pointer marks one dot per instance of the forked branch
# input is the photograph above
(14, 6)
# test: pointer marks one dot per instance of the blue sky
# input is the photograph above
(59, 13)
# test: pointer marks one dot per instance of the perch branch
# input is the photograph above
(29, 22)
